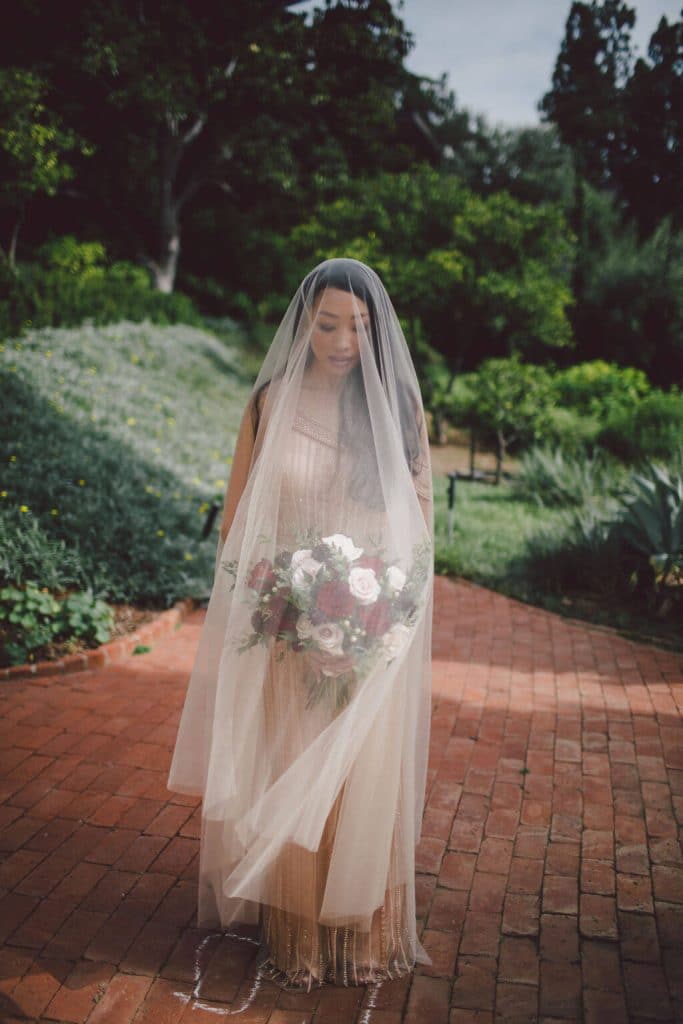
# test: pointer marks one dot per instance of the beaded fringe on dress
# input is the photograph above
(299, 951)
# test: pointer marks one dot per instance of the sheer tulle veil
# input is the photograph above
(330, 553)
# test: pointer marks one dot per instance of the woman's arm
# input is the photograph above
(423, 480)
(239, 472)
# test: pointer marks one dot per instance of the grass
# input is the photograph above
(493, 545)
(115, 442)
(492, 527)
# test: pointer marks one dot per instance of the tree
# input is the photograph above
(651, 167)
(34, 145)
(510, 401)
(242, 101)
(481, 276)
(623, 121)
(585, 101)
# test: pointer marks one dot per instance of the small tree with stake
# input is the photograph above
(510, 401)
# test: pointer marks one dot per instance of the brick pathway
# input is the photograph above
(550, 873)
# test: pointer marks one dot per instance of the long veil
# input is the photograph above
(310, 691)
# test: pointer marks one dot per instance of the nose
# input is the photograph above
(347, 341)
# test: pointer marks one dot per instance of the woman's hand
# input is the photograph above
(332, 664)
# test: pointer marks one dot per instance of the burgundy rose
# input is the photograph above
(335, 600)
(321, 552)
(262, 576)
(375, 618)
(276, 612)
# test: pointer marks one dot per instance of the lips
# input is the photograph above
(338, 361)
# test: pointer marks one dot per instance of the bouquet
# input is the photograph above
(337, 605)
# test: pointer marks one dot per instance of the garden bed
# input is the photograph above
(127, 619)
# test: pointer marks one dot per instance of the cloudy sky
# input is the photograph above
(500, 54)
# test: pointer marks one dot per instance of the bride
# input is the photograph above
(306, 722)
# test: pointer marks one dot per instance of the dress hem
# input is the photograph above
(302, 979)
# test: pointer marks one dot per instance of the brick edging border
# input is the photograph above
(115, 650)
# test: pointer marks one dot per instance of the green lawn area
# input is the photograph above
(491, 530)
(492, 535)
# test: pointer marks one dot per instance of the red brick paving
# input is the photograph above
(550, 872)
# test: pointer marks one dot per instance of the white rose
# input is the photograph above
(394, 640)
(364, 586)
(345, 545)
(299, 556)
(304, 573)
(304, 627)
(328, 637)
(395, 579)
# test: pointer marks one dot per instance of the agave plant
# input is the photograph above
(652, 521)
(552, 477)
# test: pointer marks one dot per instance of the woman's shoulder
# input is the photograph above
(261, 392)
(260, 403)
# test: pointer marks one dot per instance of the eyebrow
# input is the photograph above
(326, 312)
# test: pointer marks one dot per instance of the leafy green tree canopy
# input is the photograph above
(481, 275)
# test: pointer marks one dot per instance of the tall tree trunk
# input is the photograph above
(12, 251)
(165, 270)
(171, 202)
(500, 455)
(439, 426)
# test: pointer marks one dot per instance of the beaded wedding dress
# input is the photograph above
(312, 776)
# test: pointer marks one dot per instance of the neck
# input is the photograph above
(316, 378)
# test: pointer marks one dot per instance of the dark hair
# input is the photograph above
(348, 275)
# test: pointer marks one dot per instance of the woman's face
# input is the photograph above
(335, 335)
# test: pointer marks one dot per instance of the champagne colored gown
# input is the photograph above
(303, 951)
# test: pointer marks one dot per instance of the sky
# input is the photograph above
(499, 54)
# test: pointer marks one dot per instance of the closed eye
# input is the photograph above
(328, 328)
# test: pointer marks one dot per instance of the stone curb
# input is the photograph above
(115, 650)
